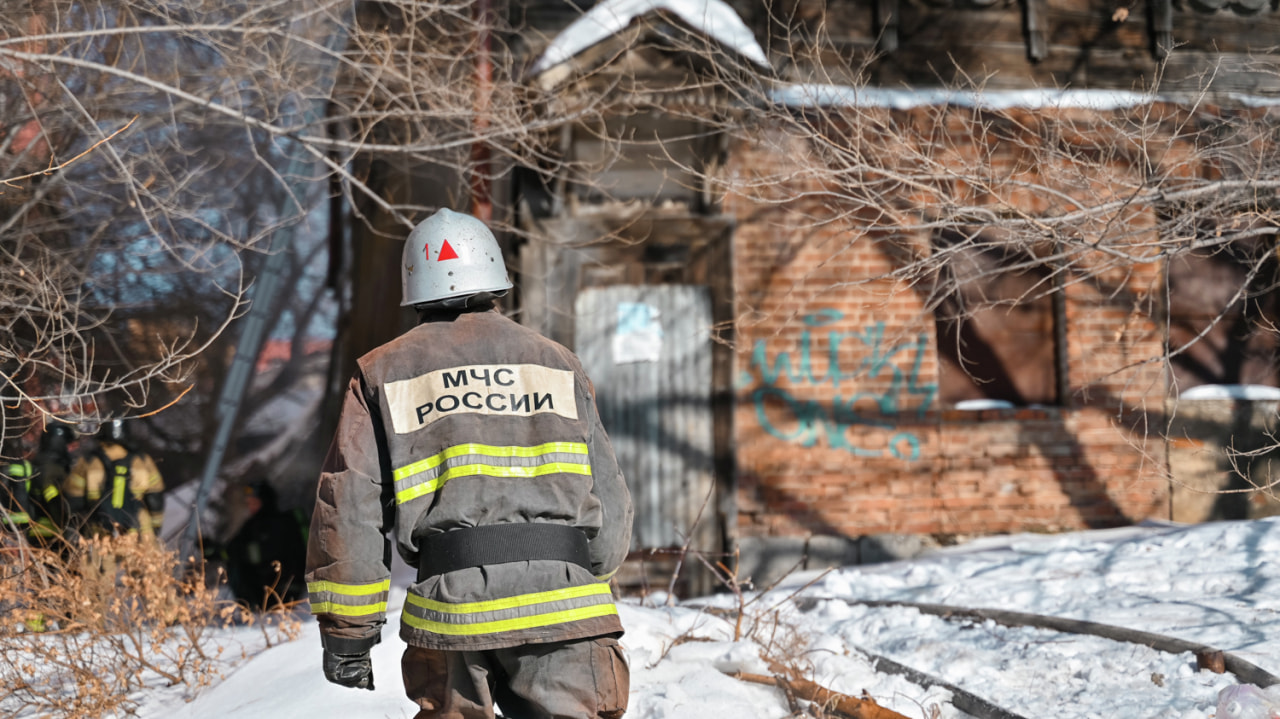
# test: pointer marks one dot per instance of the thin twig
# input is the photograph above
(50, 170)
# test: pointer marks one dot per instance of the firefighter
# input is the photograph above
(15, 496)
(477, 444)
(116, 488)
(33, 497)
(265, 558)
(29, 509)
(52, 466)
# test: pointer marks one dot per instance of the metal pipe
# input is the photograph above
(481, 190)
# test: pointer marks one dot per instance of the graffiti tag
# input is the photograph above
(805, 421)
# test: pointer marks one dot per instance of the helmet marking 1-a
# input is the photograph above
(450, 255)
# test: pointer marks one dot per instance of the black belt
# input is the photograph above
(499, 544)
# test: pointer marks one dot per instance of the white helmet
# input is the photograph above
(451, 255)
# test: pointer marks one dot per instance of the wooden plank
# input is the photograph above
(1002, 65)
(956, 30)
(1073, 22)
(1231, 73)
(1097, 30)
(1084, 44)
(1005, 66)
(1225, 32)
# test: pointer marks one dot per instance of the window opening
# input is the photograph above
(995, 321)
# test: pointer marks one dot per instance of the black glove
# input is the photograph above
(349, 670)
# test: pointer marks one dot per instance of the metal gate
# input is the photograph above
(647, 350)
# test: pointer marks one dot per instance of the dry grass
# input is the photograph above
(84, 628)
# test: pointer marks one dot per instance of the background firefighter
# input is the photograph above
(476, 442)
(15, 496)
(53, 465)
(115, 488)
(34, 505)
(265, 558)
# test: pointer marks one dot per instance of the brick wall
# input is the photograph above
(838, 427)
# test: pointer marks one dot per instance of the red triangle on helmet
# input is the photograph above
(446, 252)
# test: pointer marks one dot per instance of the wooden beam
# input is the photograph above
(1034, 27)
(887, 23)
(1161, 16)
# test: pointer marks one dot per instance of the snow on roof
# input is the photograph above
(711, 17)
(974, 405)
(715, 19)
(1256, 392)
(816, 95)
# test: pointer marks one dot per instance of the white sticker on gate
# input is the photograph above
(519, 390)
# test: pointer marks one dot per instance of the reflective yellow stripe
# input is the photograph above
(43, 528)
(117, 493)
(507, 625)
(17, 517)
(348, 610)
(20, 470)
(350, 590)
(488, 470)
(489, 451)
(521, 600)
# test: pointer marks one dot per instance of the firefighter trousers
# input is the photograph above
(579, 679)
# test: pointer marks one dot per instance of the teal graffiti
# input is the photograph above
(851, 357)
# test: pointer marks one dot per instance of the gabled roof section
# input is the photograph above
(711, 18)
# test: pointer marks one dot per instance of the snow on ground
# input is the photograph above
(1211, 583)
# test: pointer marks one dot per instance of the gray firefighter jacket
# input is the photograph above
(468, 420)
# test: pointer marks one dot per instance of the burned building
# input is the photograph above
(856, 278)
